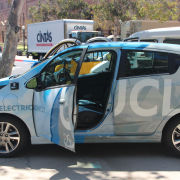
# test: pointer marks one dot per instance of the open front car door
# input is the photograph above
(55, 105)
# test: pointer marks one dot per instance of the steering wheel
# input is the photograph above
(65, 73)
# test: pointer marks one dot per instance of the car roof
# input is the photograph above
(136, 45)
(159, 32)
(129, 45)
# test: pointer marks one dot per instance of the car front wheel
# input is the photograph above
(171, 138)
(13, 136)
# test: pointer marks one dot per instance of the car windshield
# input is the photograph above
(84, 36)
(34, 67)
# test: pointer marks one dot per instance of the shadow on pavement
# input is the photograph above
(96, 161)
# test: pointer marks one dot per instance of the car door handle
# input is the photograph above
(62, 101)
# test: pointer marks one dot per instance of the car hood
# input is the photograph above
(4, 81)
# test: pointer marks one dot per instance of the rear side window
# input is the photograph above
(146, 63)
(171, 41)
(149, 40)
(175, 58)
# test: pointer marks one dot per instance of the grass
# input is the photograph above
(19, 47)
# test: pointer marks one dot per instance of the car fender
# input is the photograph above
(167, 118)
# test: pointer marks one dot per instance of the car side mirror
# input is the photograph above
(32, 83)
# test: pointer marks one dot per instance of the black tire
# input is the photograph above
(169, 135)
(23, 134)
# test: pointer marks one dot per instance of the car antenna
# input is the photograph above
(77, 38)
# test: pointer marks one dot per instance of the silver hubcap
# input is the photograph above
(9, 137)
(176, 137)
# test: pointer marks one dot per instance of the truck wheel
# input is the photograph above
(171, 137)
(13, 137)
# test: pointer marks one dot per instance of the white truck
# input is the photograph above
(43, 36)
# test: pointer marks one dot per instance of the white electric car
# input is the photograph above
(78, 96)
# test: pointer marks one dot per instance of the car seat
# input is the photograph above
(90, 112)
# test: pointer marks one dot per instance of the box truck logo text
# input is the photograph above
(44, 37)
(79, 27)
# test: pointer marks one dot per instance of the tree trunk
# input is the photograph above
(11, 39)
(116, 28)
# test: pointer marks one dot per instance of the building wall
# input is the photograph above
(143, 25)
(4, 12)
(147, 24)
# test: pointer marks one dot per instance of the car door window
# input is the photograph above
(61, 69)
(95, 75)
(146, 63)
(97, 62)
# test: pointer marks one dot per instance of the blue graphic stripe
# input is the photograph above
(79, 138)
(4, 81)
(66, 90)
(46, 94)
(123, 45)
(54, 119)
(29, 61)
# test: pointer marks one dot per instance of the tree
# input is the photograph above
(162, 10)
(11, 39)
(60, 9)
(110, 12)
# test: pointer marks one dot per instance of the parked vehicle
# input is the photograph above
(87, 66)
(121, 101)
(43, 36)
(98, 39)
(161, 35)
(73, 42)
(111, 37)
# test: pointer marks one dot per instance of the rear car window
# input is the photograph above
(146, 63)
(171, 41)
(176, 59)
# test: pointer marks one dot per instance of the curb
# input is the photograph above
(21, 60)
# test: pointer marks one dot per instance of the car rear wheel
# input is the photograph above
(171, 138)
(13, 136)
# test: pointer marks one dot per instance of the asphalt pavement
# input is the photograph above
(92, 161)
(123, 161)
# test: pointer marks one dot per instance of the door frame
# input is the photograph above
(110, 102)
(74, 83)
